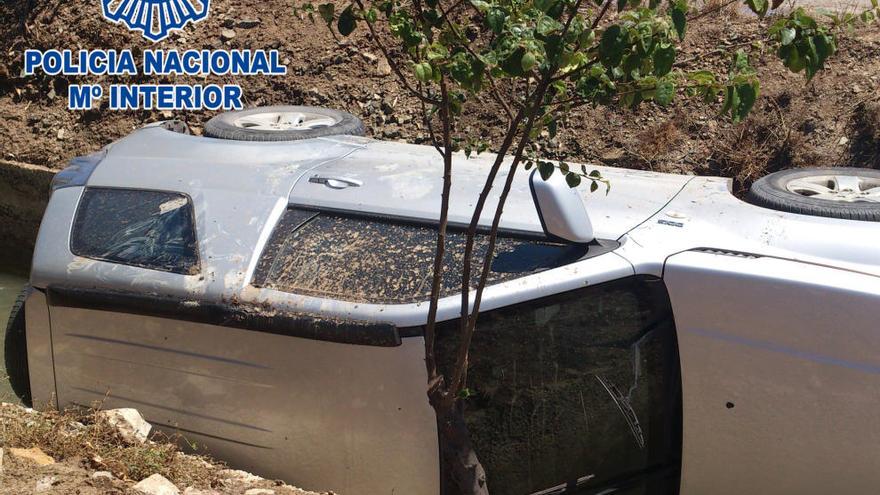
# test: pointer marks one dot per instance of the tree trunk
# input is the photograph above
(460, 469)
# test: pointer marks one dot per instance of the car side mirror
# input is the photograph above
(561, 208)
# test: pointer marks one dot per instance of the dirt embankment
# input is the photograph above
(93, 452)
(833, 120)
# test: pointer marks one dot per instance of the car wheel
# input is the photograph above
(283, 123)
(15, 350)
(848, 193)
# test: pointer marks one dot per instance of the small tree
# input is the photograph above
(538, 60)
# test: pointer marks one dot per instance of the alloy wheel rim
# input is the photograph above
(839, 188)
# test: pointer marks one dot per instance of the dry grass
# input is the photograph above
(81, 434)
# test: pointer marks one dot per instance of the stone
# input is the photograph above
(259, 491)
(227, 34)
(45, 484)
(156, 485)
(1, 461)
(129, 424)
(383, 68)
(842, 141)
(34, 455)
(237, 475)
(196, 491)
(369, 56)
(248, 23)
(102, 479)
(60, 134)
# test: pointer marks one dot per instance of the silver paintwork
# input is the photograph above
(39, 351)
(562, 209)
(795, 264)
(261, 401)
(793, 347)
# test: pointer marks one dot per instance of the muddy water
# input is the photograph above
(11, 283)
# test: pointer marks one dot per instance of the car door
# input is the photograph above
(576, 392)
(780, 372)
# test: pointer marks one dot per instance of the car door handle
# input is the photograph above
(335, 182)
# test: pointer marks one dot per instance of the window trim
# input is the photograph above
(197, 265)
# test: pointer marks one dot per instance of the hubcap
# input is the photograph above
(284, 121)
(842, 188)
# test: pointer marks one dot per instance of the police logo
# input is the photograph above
(155, 18)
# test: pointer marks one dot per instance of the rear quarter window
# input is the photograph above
(147, 229)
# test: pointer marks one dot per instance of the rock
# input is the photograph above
(129, 424)
(259, 491)
(369, 56)
(1, 461)
(34, 455)
(842, 141)
(156, 485)
(103, 479)
(45, 484)
(227, 34)
(237, 475)
(383, 68)
(248, 23)
(196, 491)
(167, 114)
(60, 134)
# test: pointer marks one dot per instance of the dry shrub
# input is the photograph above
(761, 145)
(81, 434)
(654, 144)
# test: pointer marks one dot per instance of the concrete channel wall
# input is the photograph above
(24, 193)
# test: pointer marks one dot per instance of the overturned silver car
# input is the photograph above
(263, 293)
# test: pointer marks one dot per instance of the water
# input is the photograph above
(11, 283)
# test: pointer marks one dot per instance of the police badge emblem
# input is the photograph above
(155, 18)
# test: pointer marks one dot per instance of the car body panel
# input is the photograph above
(258, 400)
(780, 375)
(39, 350)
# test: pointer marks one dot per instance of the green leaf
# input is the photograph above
(346, 23)
(758, 6)
(664, 57)
(572, 179)
(481, 5)
(679, 18)
(787, 35)
(528, 61)
(665, 92)
(748, 93)
(327, 11)
(423, 71)
(612, 45)
(594, 186)
(545, 169)
(544, 5)
(495, 19)
(512, 65)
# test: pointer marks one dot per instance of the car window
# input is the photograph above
(574, 392)
(362, 259)
(149, 229)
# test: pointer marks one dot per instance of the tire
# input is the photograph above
(846, 193)
(291, 123)
(15, 350)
